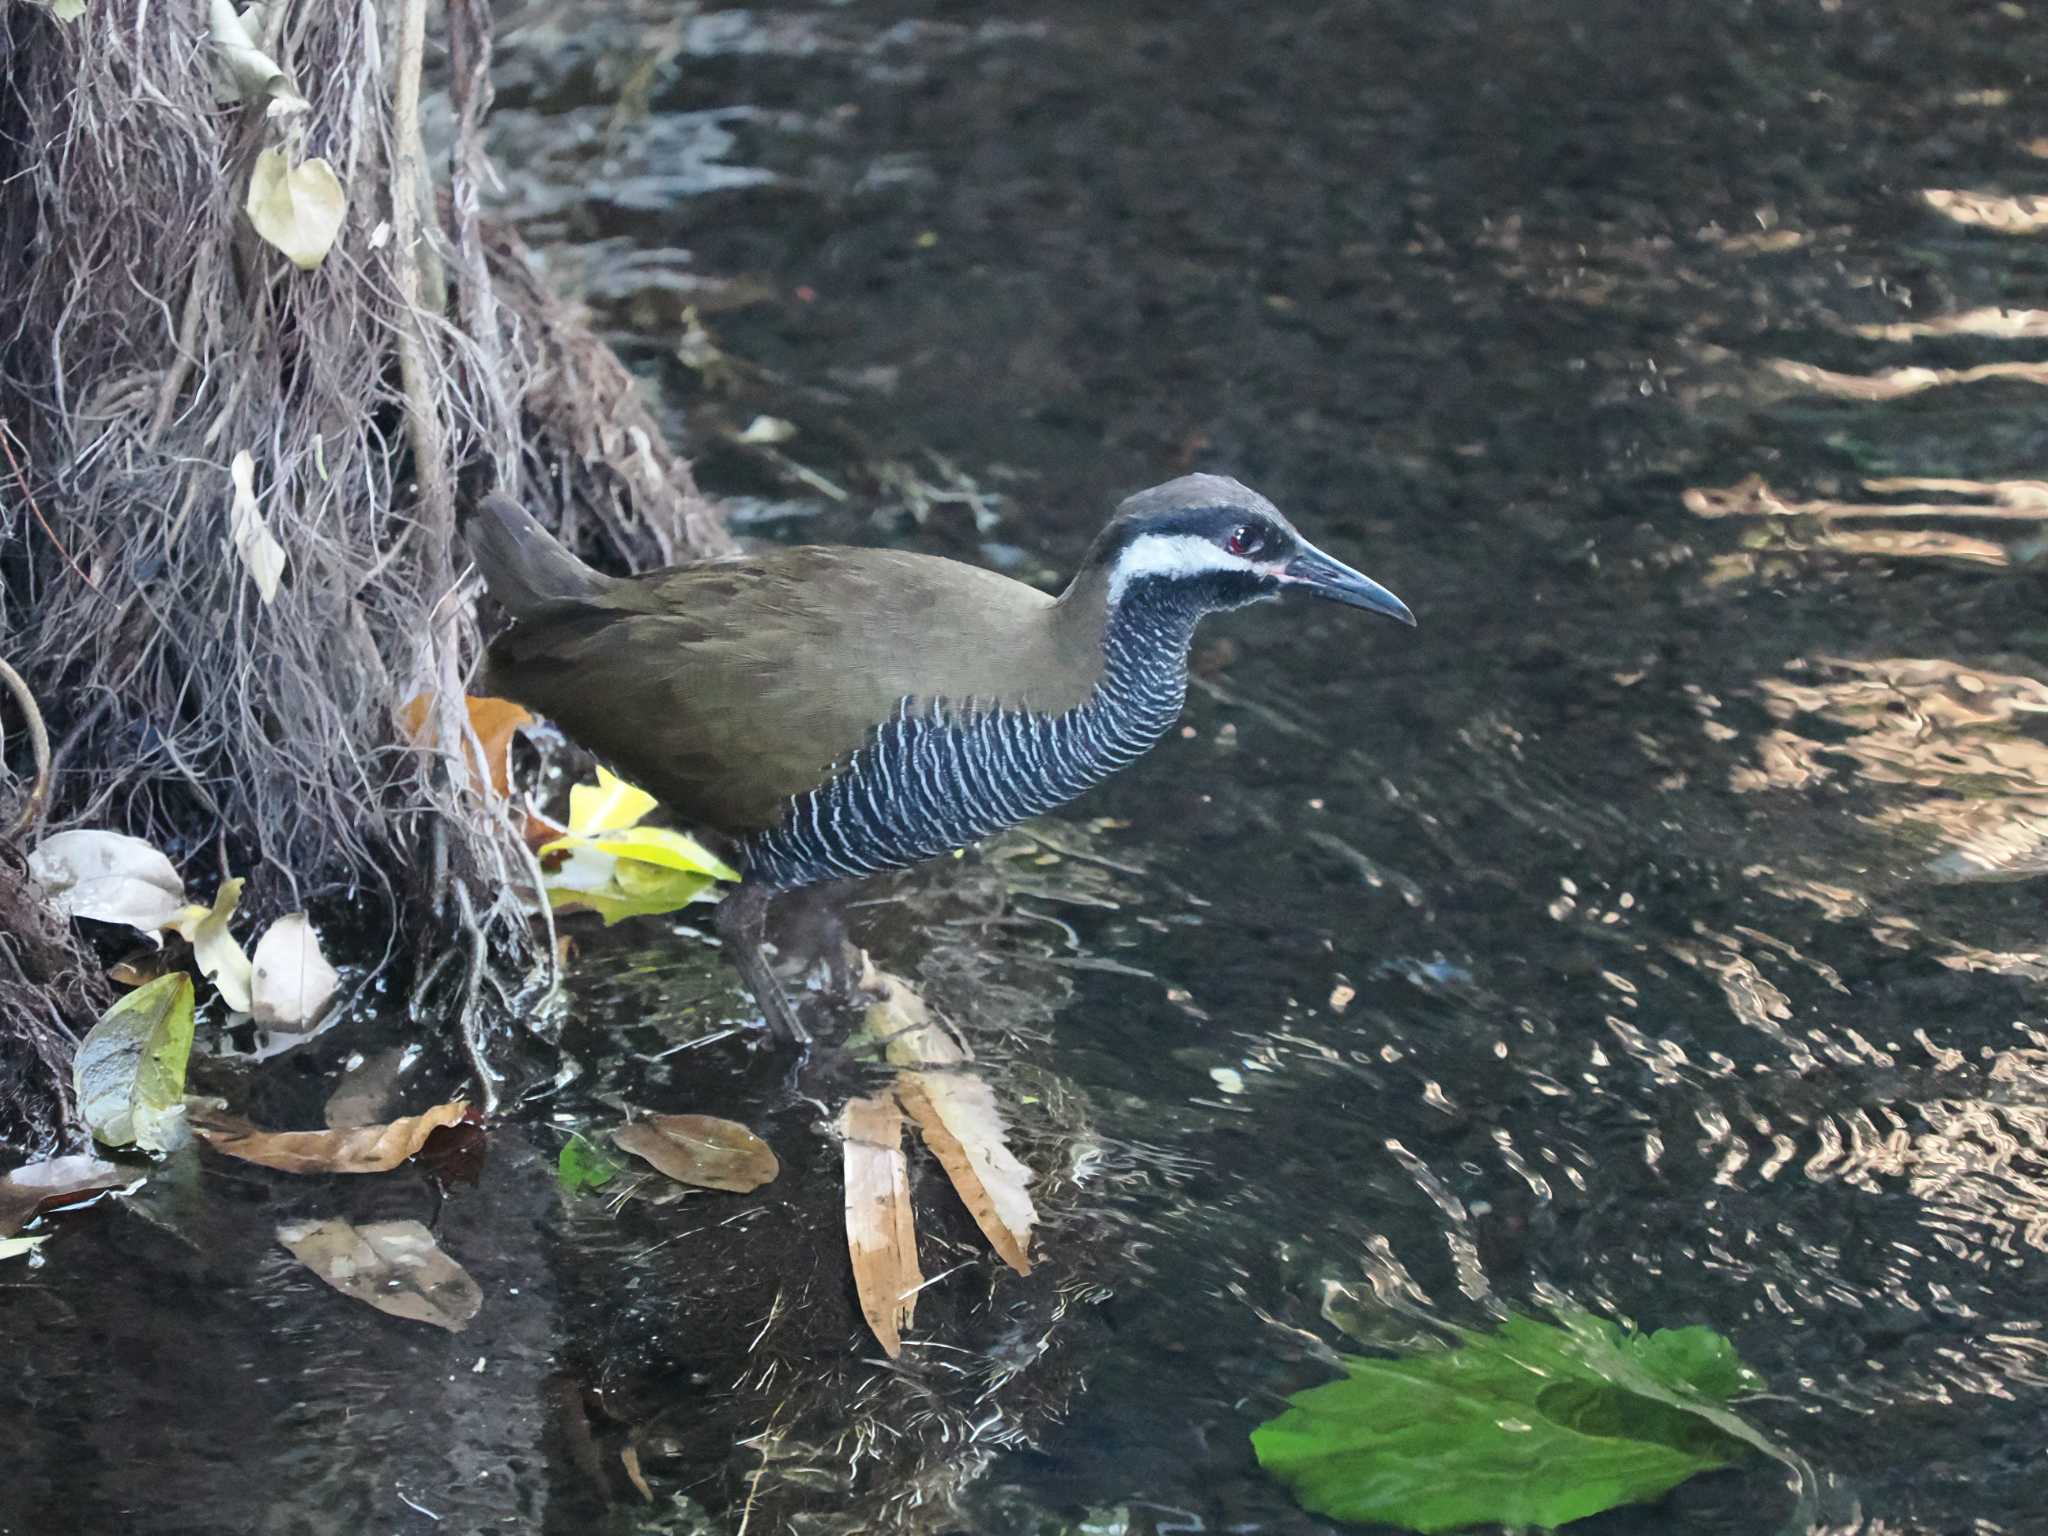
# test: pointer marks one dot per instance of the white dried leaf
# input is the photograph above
(297, 208)
(107, 876)
(220, 957)
(249, 72)
(249, 535)
(291, 980)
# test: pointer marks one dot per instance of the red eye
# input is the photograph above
(1244, 540)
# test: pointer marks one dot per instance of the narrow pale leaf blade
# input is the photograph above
(130, 1069)
(249, 537)
(395, 1266)
(251, 73)
(956, 1114)
(218, 954)
(881, 1230)
(350, 1149)
(702, 1150)
(290, 979)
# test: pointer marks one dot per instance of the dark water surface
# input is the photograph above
(1656, 929)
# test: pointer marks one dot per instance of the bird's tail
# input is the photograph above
(526, 568)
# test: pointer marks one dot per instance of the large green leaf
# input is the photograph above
(1532, 1425)
(130, 1068)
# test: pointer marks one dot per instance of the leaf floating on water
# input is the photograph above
(352, 1149)
(881, 1231)
(249, 537)
(583, 1165)
(297, 208)
(608, 805)
(702, 1150)
(290, 980)
(956, 1114)
(130, 1069)
(395, 1266)
(39, 1188)
(1534, 1425)
(248, 71)
(109, 877)
(218, 954)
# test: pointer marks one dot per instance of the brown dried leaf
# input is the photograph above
(358, 1149)
(702, 1150)
(881, 1232)
(29, 1192)
(395, 1266)
(956, 1114)
(495, 721)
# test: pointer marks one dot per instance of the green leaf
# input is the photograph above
(583, 1166)
(1532, 1425)
(130, 1068)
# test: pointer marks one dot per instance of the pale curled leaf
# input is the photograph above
(29, 1192)
(290, 980)
(109, 877)
(702, 1150)
(956, 1114)
(250, 72)
(218, 954)
(395, 1266)
(352, 1149)
(881, 1231)
(297, 208)
(249, 537)
(129, 1073)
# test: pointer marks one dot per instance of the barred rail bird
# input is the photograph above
(837, 712)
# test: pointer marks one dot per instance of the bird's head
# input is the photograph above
(1217, 544)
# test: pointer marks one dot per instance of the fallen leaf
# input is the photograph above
(219, 956)
(352, 1149)
(109, 877)
(607, 805)
(629, 1458)
(249, 72)
(767, 429)
(130, 1069)
(297, 208)
(395, 1266)
(702, 1150)
(881, 1232)
(39, 1188)
(249, 537)
(956, 1114)
(290, 980)
(15, 1247)
(495, 722)
(901, 1023)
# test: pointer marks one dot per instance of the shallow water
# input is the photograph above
(1654, 929)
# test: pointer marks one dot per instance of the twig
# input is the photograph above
(39, 744)
(471, 1006)
(20, 479)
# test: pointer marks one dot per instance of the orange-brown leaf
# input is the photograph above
(353, 1149)
(493, 720)
(956, 1114)
(881, 1232)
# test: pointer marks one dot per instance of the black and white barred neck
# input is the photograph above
(940, 774)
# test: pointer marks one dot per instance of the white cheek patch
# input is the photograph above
(1172, 555)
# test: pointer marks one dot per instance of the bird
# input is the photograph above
(835, 712)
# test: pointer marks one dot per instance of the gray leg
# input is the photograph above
(742, 916)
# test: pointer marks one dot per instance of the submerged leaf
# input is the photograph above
(702, 1150)
(1532, 1425)
(109, 877)
(956, 1114)
(352, 1149)
(881, 1231)
(218, 954)
(297, 208)
(42, 1187)
(395, 1266)
(583, 1165)
(130, 1068)
(290, 980)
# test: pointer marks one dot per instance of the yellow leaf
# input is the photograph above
(660, 846)
(220, 958)
(607, 806)
(615, 904)
(299, 209)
